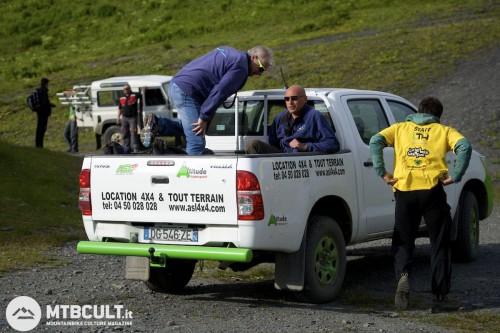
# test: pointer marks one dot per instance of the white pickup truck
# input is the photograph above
(96, 105)
(298, 211)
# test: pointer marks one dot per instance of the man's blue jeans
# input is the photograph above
(189, 111)
(169, 127)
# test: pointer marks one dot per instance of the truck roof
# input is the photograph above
(133, 81)
(318, 91)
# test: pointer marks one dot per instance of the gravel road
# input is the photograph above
(471, 98)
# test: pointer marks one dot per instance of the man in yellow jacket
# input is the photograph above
(420, 172)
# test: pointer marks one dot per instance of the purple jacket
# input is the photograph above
(212, 78)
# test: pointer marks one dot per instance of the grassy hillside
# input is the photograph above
(38, 203)
(394, 45)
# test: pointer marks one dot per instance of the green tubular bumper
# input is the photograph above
(169, 251)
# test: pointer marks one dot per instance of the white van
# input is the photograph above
(96, 105)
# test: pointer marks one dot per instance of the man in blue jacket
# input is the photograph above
(300, 128)
(200, 87)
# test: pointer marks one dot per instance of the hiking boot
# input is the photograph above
(441, 303)
(150, 130)
(402, 299)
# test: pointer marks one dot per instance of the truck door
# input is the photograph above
(376, 197)
(155, 102)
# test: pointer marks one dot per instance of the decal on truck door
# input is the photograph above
(308, 168)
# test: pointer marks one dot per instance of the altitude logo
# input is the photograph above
(184, 171)
(23, 313)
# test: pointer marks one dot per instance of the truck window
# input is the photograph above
(154, 96)
(400, 111)
(276, 106)
(321, 107)
(108, 97)
(249, 118)
(369, 117)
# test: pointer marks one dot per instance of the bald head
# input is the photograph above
(295, 90)
(295, 98)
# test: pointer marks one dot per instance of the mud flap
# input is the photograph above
(137, 268)
(289, 269)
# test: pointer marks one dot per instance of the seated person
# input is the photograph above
(300, 128)
(163, 126)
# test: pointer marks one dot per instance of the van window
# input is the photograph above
(154, 96)
(369, 117)
(109, 97)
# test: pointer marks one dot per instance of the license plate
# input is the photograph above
(171, 234)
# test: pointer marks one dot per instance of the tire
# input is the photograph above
(325, 261)
(466, 246)
(113, 133)
(172, 278)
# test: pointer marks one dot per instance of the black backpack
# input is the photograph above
(33, 101)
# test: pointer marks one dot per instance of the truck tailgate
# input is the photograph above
(148, 188)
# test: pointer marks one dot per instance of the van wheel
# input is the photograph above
(325, 260)
(113, 133)
(171, 278)
(466, 246)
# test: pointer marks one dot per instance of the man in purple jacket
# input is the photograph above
(200, 87)
(300, 128)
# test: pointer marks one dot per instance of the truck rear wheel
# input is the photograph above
(325, 261)
(113, 133)
(466, 246)
(171, 278)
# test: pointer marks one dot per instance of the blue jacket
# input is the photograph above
(310, 127)
(212, 78)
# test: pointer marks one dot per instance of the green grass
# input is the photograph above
(38, 204)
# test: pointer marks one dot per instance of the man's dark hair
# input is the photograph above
(431, 105)
(44, 81)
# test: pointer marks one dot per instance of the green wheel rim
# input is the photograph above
(326, 261)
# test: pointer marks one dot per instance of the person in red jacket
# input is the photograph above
(128, 109)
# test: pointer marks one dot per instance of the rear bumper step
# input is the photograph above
(168, 251)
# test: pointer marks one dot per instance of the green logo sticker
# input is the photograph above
(126, 168)
(184, 171)
(187, 172)
(272, 220)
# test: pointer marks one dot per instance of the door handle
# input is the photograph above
(368, 163)
(160, 180)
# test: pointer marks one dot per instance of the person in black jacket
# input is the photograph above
(43, 113)
(128, 109)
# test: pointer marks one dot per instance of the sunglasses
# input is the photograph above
(293, 98)
(262, 69)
